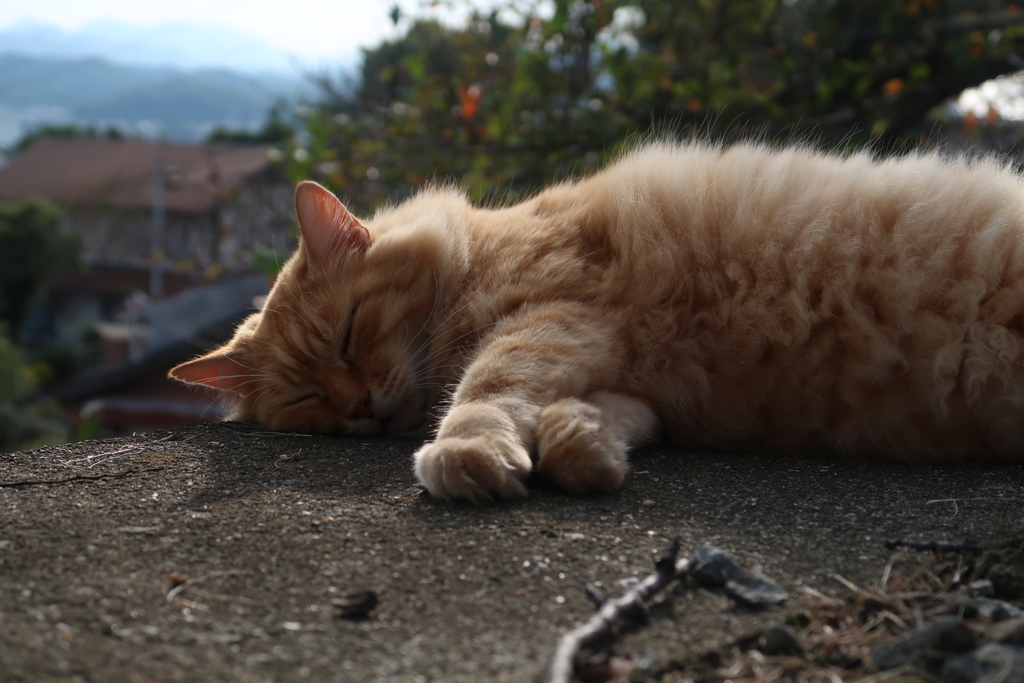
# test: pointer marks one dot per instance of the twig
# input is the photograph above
(594, 595)
(287, 456)
(861, 592)
(891, 674)
(92, 459)
(955, 501)
(821, 597)
(883, 583)
(190, 583)
(265, 433)
(934, 546)
(77, 477)
(132, 449)
(560, 669)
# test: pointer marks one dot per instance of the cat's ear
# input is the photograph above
(328, 229)
(219, 370)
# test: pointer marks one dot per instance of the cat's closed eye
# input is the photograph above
(307, 399)
(346, 344)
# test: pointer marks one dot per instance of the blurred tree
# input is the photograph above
(24, 426)
(15, 383)
(15, 378)
(511, 100)
(68, 131)
(870, 69)
(34, 246)
(276, 129)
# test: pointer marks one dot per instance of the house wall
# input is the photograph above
(116, 248)
(224, 236)
(125, 237)
(260, 215)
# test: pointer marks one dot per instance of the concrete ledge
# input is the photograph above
(215, 553)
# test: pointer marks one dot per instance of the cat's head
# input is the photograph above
(340, 343)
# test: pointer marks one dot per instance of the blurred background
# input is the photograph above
(149, 152)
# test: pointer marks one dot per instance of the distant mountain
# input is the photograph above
(75, 83)
(176, 45)
(176, 104)
(189, 102)
(176, 80)
(69, 83)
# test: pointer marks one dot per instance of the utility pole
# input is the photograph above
(156, 246)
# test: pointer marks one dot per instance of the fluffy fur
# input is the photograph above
(740, 298)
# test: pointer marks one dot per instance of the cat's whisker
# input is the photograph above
(437, 332)
(439, 376)
(278, 308)
(210, 407)
(453, 344)
(427, 359)
(261, 393)
(438, 299)
(223, 377)
(260, 379)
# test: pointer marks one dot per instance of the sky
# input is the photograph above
(312, 30)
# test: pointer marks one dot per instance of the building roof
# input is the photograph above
(121, 173)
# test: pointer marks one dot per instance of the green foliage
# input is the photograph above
(870, 69)
(15, 378)
(66, 132)
(273, 131)
(34, 246)
(90, 428)
(445, 103)
(510, 101)
(15, 383)
(267, 261)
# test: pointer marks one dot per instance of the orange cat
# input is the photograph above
(740, 298)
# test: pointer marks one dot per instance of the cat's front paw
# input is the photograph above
(479, 469)
(577, 450)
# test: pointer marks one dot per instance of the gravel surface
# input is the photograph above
(225, 553)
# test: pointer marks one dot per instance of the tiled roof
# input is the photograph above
(120, 173)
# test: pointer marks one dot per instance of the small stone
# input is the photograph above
(1007, 574)
(1008, 632)
(993, 662)
(648, 503)
(712, 567)
(962, 606)
(356, 605)
(755, 591)
(998, 610)
(646, 664)
(780, 640)
(604, 667)
(983, 588)
(944, 636)
(953, 638)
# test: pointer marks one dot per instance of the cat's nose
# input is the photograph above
(364, 408)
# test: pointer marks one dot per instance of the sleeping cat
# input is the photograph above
(740, 298)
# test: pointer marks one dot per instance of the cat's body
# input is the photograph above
(740, 298)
